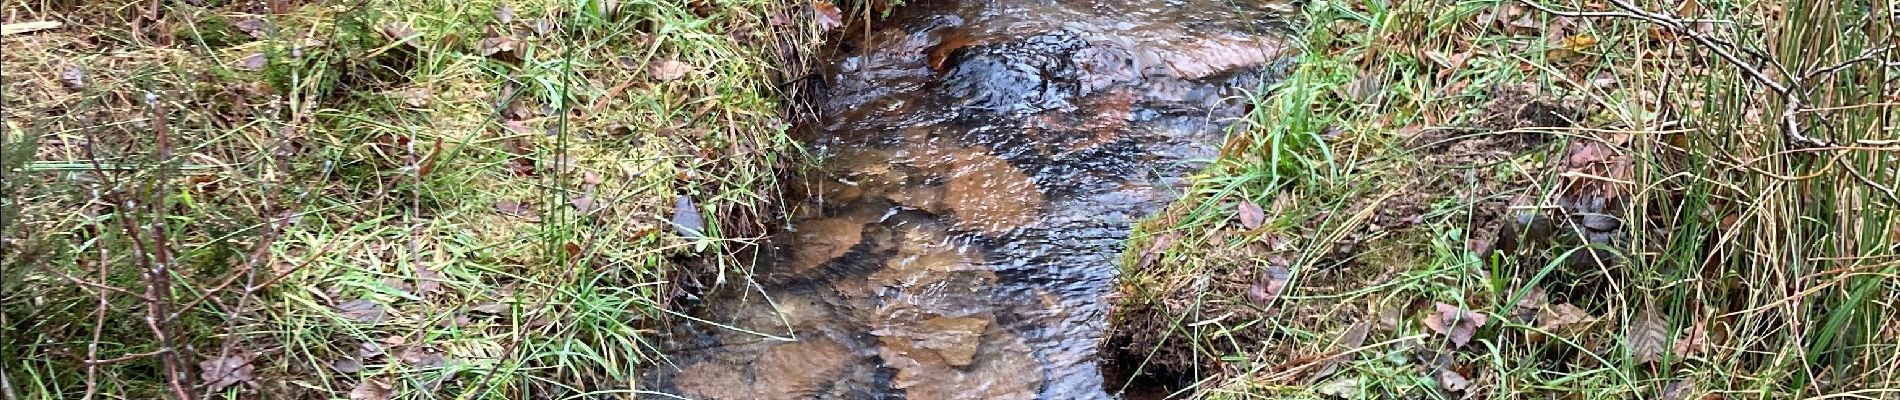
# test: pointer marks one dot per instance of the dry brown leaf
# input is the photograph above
(499, 46)
(666, 70)
(397, 31)
(373, 389)
(74, 77)
(253, 62)
(257, 28)
(1365, 89)
(361, 310)
(1156, 248)
(428, 280)
(1559, 316)
(1269, 286)
(1455, 323)
(1452, 381)
(347, 365)
(223, 372)
(421, 357)
(504, 14)
(1251, 216)
(514, 208)
(1648, 333)
(584, 204)
(1694, 342)
(827, 15)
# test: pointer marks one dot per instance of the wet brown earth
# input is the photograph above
(984, 161)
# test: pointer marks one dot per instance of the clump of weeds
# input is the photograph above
(378, 199)
(1499, 199)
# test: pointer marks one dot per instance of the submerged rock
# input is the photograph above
(1006, 370)
(1034, 74)
(799, 370)
(713, 381)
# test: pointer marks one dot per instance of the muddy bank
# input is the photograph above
(984, 163)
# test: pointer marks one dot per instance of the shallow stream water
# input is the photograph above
(984, 161)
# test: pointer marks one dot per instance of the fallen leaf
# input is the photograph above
(666, 70)
(583, 204)
(514, 208)
(223, 372)
(1558, 316)
(360, 310)
(369, 350)
(74, 77)
(1251, 216)
(1695, 342)
(1452, 381)
(258, 28)
(1269, 286)
(420, 357)
(347, 365)
(253, 62)
(501, 47)
(1678, 390)
(373, 389)
(1604, 79)
(515, 126)
(417, 97)
(686, 218)
(1579, 43)
(399, 32)
(1351, 339)
(428, 280)
(827, 15)
(1647, 335)
(504, 14)
(1155, 249)
(1529, 306)
(1455, 323)
(1363, 90)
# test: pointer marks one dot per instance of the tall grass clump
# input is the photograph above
(379, 199)
(1446, 230)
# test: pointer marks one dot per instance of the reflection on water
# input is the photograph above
(984, 162)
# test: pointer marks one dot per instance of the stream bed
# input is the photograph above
(983, 164)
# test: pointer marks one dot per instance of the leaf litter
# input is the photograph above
(1455, 323)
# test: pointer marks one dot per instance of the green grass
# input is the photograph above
(1782, 256)
(509, 214)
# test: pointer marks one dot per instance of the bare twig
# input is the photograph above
(1865, 56)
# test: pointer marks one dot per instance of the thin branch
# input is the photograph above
(1869, 55)
(130, 357)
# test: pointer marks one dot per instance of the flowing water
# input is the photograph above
(984, 161)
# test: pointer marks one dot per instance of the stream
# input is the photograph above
(983, 164)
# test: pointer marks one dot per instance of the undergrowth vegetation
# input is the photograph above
(1675, 199)
(378, 199)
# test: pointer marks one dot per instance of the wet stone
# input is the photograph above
(821, 240)
(799, 370)
(987, 194)
(953, 339)
(1007, 370)
(713, 381)
(1034, 74)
